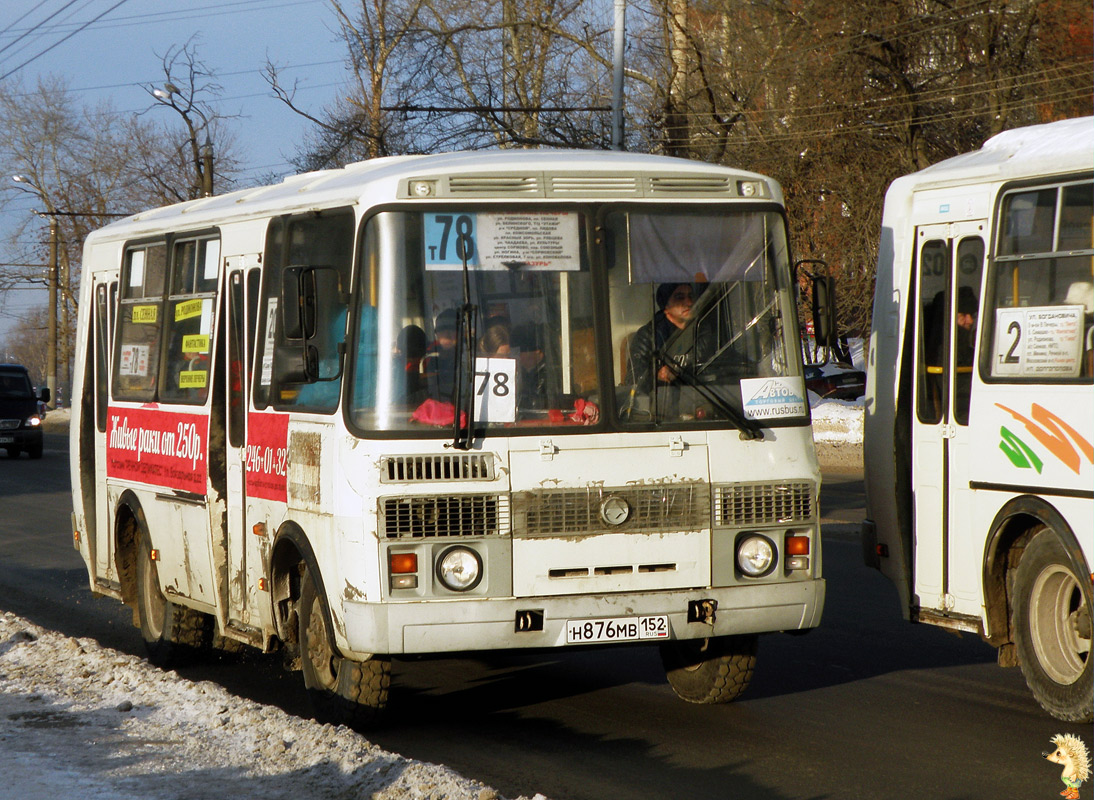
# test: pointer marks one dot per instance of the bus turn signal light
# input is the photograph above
(797, 545)
(403, 563)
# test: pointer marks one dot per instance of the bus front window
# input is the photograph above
(700, 302)
(530, 307)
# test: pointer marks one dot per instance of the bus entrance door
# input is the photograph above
(242, 584)
(949, 262)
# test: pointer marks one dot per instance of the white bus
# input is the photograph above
(452, 403)
(980, 408)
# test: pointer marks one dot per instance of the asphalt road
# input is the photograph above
(866, 706)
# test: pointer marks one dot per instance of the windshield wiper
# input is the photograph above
(749, 429)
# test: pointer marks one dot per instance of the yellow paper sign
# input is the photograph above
(145, 314)
(193, 379)
(188, 309)
(195, 344)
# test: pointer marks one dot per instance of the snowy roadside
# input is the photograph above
(80, 720)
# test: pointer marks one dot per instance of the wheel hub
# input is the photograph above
(1059, 624)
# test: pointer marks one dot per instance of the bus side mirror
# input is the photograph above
(297, 365)
(313, 313)
(824, 310)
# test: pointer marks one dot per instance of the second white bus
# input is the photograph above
(980, 407)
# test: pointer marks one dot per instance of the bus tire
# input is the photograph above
(707, 671)
(1052, 630)
(341, 691)
(172, 633)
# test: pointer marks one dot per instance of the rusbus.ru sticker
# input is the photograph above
(772, 398)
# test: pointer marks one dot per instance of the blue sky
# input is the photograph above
(120, 54)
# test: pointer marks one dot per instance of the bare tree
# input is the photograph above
(383, 42)
(206, 151)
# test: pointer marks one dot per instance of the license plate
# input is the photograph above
(7, 439)
(616, 629)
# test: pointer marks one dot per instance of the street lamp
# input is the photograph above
(51, 330)
(203, 155)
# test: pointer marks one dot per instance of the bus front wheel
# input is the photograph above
(171, 632)
(715, 670)
(341, 691)
(1052, 630)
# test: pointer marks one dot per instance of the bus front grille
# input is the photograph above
(441, 467)
(443, 516)
(595, 509)
(743, 504)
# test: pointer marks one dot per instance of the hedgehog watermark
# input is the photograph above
(1071, 753)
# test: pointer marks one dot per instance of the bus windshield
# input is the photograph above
(696, 301)
(700, 303)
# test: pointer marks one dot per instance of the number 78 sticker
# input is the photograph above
(496, 389)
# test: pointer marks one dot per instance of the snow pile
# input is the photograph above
(837, 421)
(81, 720)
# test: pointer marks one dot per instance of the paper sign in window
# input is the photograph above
(1038, 342)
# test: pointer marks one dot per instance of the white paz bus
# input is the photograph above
(452, 403)
(980, 407)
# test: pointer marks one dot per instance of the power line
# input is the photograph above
(35, 27)
(199, 12)
(63, 39)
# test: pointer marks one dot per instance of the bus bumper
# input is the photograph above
(445, 626)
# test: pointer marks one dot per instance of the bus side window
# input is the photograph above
(316, 250)
(934, 344)
(140, 320)
(970, 266)
(189, 322)
(101, 343)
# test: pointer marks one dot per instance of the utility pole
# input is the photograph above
(617, 73)
(51, 331)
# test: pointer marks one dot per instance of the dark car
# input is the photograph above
(20, 420)
(833, 382)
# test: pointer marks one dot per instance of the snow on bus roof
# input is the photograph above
(1054, 147)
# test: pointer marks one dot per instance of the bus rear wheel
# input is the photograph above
(1052, 630)
(172, 633)
(341, 691)
(707, 671)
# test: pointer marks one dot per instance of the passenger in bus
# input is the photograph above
(532, 380)
(410, 349)
(495, 341)
(439, 362)
(965, 333)
(674, 304)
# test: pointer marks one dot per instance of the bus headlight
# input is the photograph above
(755, 556)
(459, 569)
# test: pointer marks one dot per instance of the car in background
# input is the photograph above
(20, 419)
(835, 381)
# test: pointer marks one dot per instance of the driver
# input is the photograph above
(674, 303)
